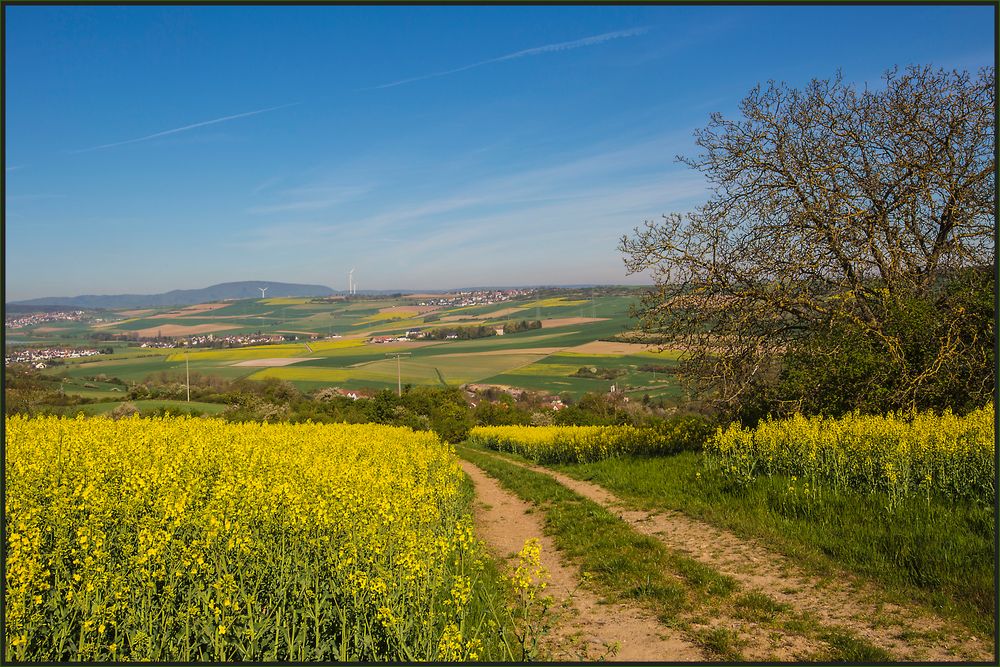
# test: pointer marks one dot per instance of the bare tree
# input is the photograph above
(829, 206)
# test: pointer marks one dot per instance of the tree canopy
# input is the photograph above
(846, 227)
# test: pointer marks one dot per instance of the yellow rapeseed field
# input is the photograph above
(555, 302)
(241, 353)
(338, 344)
(391, 315)
(567, 444)
(177, 539)
(899, 455)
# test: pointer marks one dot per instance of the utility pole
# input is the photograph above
(187, 376)
(399, 376)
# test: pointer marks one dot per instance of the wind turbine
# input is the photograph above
(350, 281)
(262, 290)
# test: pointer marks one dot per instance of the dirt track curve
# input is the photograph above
(908, 633)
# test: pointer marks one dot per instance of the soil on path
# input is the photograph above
(505, 522)
(908, 633)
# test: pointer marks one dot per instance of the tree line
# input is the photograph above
(481, 331)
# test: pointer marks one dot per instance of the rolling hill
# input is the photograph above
(246, 289)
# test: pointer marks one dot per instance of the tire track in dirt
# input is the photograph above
(504, 522)
(908, 633)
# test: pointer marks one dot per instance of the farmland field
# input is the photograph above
(804, 489)
(417, 369)
(513, 360)
(183, 539)
(148, 406)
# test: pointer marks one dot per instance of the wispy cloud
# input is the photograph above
(588, 199)
(312, 199)
(267, 184)
(23, 198)
(185, 128)
(13, 168)
(538, 50)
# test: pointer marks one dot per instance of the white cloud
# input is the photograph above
(538, 50)
(185, 128)
(311, 199)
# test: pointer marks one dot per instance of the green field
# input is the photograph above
(557, 373)
(149, 406)
(540, 359)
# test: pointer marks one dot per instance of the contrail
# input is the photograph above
(548, 48)
(185, 128)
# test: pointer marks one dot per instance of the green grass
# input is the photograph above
(754, 606)
(851, 649)
(941, 554)
(137, 369)
(424, 370)
(149, 406)
(134, 368)
(347, 357)
(637, 384)
(543, 369)
(91, 388)
(488, 312)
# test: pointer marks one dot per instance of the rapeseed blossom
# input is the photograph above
(568, 444)
(181, 539)
(896, 454)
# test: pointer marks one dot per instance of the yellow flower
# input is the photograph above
(376, 511)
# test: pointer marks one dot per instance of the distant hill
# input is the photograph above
(247, 289)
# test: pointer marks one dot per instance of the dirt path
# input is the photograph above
(908, 633)
(505, 522)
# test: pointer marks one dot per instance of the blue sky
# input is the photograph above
(150, 149)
